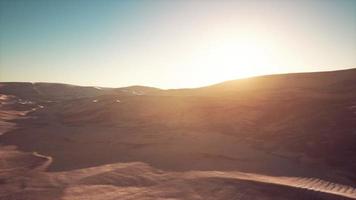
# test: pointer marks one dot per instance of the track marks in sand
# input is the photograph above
(312, 184)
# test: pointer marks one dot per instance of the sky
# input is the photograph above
(172, 44)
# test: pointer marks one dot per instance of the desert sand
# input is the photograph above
(272, 137)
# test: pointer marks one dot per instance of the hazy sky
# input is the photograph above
(172, 44)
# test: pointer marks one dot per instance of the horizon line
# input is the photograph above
(216, 83)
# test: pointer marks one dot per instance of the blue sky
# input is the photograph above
(171, 44)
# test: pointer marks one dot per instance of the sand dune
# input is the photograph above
(271, 137)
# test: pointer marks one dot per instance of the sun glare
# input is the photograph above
(235, 57)
(242, 58)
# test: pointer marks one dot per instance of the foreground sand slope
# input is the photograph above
(22, 176)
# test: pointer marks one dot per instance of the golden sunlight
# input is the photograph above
(235, 57)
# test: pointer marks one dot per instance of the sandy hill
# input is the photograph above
(300, 126)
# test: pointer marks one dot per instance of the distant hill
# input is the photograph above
(59, 91)
(330, 80)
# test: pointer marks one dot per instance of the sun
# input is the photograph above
(228, 56)
(233, 58)
(242, 59)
